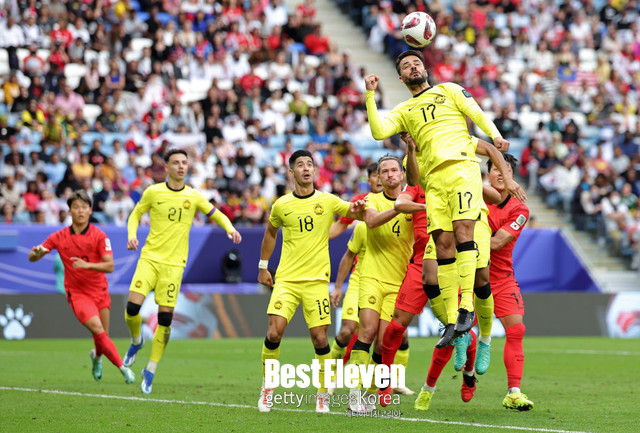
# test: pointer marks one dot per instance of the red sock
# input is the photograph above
(438, 361)
(391, 341)
(471, 353)
(347, 353)
(105, 346)
(513, 354)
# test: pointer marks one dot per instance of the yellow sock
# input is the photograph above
(359, 357)
(402, 358)
(160, 340)
(337, 352)
(438, 309)
(133, 323)
(448, 282)
(321, 359)
(269, 354)
(376, 359)
(466, 261)
(484, 312)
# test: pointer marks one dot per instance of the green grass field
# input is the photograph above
(577, 384)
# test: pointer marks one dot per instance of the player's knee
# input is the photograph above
(133, 309)
(483, 292)
(466, 246)
(515, 332)
(274, 336)
(347, 329)
(164, 318)
(319, 340)
(431, 290)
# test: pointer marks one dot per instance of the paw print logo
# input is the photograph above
(14, 323)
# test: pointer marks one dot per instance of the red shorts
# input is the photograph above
(411, 297)
(86, 306)
(507, 299)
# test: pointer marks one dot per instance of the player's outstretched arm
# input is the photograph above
(343, 270)
(107, 265)
(413, 169)
(512, 187)
(356, 210)
(374, 219)
(268, 244)
(337, 228)
(404, 204)
(491, 195)
(500, 239)
(224, 222)
(37, 253)
(380, 129)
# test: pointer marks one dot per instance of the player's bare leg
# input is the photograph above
(466, 264)
(271, 350)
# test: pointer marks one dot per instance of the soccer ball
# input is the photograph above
(418, 29)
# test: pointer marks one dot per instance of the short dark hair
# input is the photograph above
(390, 157)
(79, 194)
(172, 152)
(372, 168)
(511, 160)
(299, 154)
(408, 53)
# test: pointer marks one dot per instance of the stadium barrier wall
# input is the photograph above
(543, 261)
(215, 315)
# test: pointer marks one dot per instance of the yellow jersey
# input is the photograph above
(305, 222)
(436, 119)
(390, 245)
(358, 245)
(171, 214)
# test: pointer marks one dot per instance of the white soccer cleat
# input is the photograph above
(403, 391)
(356, 401)
(322, 402)
(265, 403)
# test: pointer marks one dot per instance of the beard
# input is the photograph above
(415, 81)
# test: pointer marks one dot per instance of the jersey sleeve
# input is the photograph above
(470, 107)
(104, 245)
(340, 206)
(141, 208)
(382, 128)
(203, 205)
(51, 243)
(518, 217)
(357, 238)
(275, 218)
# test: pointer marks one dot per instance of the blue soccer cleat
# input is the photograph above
(147, 379)
(460, 346)
(483, 358)
(96, 369)
(130, 356)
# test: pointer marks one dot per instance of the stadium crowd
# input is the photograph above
(94, 92)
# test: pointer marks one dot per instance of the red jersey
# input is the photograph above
(90, 246)
(510, 215)
(420, 235)
(348, 221)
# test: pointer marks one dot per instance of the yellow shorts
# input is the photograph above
(482, 238)
(164, 279)
(314, 296)
(350, 301)
(378, 296)
(454, 192)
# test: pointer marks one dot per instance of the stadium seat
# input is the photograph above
(43, 54)
(89, 137)
(529, 120)
(138, 44)
(300, 141)
(277, 141)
